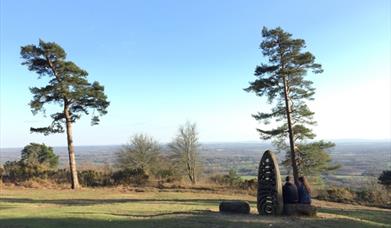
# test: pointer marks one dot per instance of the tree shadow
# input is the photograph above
(192, 218)
(89, 202)
(4, 207)
(174, 213)
(376, 216)
(201, 220)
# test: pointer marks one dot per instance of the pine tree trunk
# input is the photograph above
(71, 151)
(290, 131)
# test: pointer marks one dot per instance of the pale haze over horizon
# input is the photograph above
(167, 62)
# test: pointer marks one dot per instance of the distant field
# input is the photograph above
(125, 208)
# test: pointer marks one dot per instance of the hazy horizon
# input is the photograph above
(261, 142)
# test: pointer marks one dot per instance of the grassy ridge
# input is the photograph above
(125, 208)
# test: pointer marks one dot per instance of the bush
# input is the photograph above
(340, 195)
(87, 178)
(39, 154)
(367, 196)
(59, 176)
(36, 160)
(218, 179)
(385, 178)
(1, 173)
(251, 184)
(130, 176)
(167, 175)
(92, 178)
(232, 179)
(13, 171)
(373, 195)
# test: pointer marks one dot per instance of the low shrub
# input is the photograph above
(232, 179)
(1, 174)
(130, 176)
(250, 184)
(14, 172)
(59, 176)
(92, 178)
(385, 179)
(36, 160)
(217, 179)
(340, 195)
(167, 175)
(372, 195)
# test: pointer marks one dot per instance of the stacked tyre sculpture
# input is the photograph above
(269, 196)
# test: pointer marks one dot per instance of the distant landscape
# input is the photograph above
(361, 160)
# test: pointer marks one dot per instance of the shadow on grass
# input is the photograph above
(376, 216)
(3, 207)
(192, 212)
(89, 202)
(200, 220)
(193, 218)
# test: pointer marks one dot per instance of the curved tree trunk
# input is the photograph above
(71, 151)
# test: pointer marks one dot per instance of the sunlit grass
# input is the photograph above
(123, 208)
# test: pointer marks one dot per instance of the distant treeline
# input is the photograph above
(356, 158)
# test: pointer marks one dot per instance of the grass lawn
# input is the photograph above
(248, 177)
(114, 207)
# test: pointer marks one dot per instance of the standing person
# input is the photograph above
(304, 191)
(289, 192)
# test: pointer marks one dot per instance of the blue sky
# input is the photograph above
(165, 62)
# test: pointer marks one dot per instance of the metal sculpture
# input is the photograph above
(269, 196)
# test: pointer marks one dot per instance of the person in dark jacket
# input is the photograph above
(304, 191)
(289, 192)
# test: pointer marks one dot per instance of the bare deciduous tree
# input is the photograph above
(184, 150)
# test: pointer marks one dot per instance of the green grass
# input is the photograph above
(248, 177)
(122, 208)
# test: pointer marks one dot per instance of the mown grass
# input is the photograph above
(106, 207)
(248, 177)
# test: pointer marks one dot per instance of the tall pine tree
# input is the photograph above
(282, 80)
(67, 87)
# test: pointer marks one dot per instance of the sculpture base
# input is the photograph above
(299, 209)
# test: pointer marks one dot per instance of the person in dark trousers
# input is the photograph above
(304, 191)
(289, 192)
